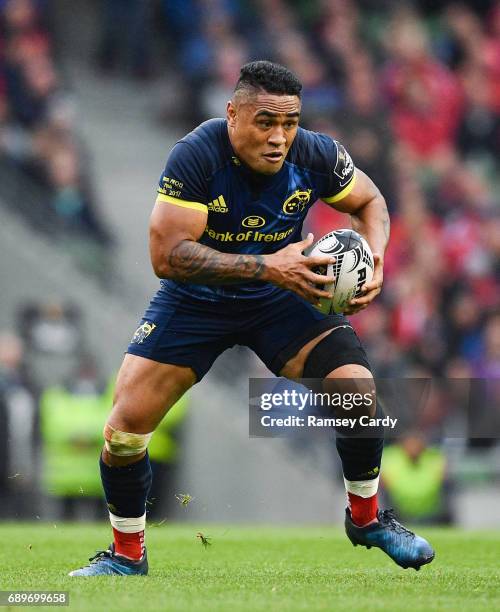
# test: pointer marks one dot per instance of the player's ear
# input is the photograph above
(231, 113)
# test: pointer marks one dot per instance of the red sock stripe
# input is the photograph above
(363, 509)
(130, 545)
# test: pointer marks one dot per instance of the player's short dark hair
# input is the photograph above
(269, 77)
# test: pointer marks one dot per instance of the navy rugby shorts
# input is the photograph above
(183, 330)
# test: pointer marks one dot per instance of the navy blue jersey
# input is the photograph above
(250, 212)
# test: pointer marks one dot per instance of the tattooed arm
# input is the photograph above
(177, 254)
(370, 218)
(194, 262)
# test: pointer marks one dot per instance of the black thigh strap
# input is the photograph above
(340, 347)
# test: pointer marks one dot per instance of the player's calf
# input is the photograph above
(339, 364)
(145, 390)
(126, 478)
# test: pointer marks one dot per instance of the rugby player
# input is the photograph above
(225, 238)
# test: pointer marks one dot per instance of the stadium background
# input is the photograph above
(93, 95)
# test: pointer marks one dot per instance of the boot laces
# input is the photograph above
(389, 518)
(101, 554)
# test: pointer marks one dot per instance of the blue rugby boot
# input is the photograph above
(107, 563)
(401, 544)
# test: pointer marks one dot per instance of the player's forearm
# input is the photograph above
(372, 221)
(193, 262)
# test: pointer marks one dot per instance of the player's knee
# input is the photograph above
(124, 443)
(339, 365)
(355, 384)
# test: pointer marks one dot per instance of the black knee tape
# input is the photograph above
(340, 347)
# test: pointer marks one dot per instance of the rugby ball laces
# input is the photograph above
(353, 267)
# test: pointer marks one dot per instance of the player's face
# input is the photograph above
(262, 128)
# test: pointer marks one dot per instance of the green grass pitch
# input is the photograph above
(254, 568)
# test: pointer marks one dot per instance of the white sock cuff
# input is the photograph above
(363, 488)
(128, 525)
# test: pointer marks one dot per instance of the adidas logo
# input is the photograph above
(218, 205)
(373, 472)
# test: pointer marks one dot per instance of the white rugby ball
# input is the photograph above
(353, 267)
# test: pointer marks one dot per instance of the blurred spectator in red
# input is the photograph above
(26, 41)
(424, 95)
(491, 54)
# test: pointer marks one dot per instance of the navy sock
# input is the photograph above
(126, 488)
(361, 456)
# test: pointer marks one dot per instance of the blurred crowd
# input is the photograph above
(43, 167)
(413, 92)
(54, 400)
(43, 351)
(412, 89)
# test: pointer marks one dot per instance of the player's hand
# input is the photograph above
(369, 290)
(289, 269)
